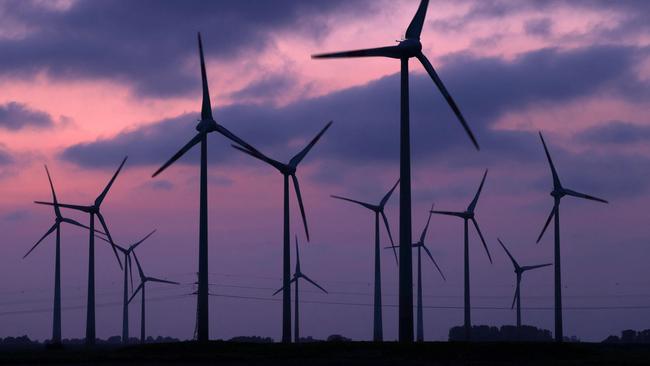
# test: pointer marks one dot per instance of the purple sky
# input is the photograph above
(86, 82)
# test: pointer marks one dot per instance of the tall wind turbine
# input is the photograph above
(143, 280)
(128, 271)
(58, 220)
(378, 332)
(406, 49)
(296, 276)
(468, 215)
(288, 170)
(519, 270)
(558, 192)
(93, 211)
(206, 125)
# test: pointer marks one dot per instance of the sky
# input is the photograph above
(85, 83)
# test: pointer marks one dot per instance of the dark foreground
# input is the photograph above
(356, 353)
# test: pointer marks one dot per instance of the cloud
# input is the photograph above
(147, 44)
(615, 132)
(6, 157)
(16, 116)
(538, 27)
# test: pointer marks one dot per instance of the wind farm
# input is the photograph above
(88, 86)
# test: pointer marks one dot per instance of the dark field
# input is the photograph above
(355, 353)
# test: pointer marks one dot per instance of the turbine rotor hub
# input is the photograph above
(411, 47)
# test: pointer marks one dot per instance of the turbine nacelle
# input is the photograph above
(207, 125)
(410, 48)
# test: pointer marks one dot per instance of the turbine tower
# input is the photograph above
(519, 270)
(406, 49)
(206, 125)
(143, 280)
(468, 215)
(93, 211)
(558, 192)
(288, 170)
(296, 276)
(378, 332)
(128, 271)
(58, 220)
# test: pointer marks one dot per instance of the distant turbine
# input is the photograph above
(206, 125)
(406, 49)
(92, 211)
(296, 276)
(128, 270)
(557, 193)
(420, 245)
(468, 215)
(56, 314)
(519, 270)
(288, 170)
(378, 333)
(143, 280)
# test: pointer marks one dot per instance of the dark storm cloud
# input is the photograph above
(615, 132)
(15, 116)
(147, 44)
(366, 117)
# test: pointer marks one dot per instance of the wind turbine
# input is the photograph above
(288, 170)
(519, 270)
(558, 192)
(468, 215)
(92, 211)
(406, 49)
(58, 220)
(378, 333)
(296, 276)
(206, 125)
(143, 280)
(128, 270)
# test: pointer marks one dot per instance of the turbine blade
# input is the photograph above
(108, 234)
(195, 140)
(436, 79)
(516, 293)
(206, 108)
(135, 292)
(101, 197)
(154, 279)
(234, 138)
(548, 221)
(415, 28)
(313, 283)
(514, 262)
(47, 233)
(366, 205)
(426, 250)
(390, 236)
(482, 239)
(75, 223)
(426, 227)
(297, 256)
(301, 155)
(140, 271)
(390, 51)
(64, 205)
(259, 156)
(130, 264)
(556, 178)
(142, 240)
(282, 288)
(57, 211)
(582, 195)
(528, 268)
(448, 213)
(472, 205)
(296, 187)
(387, 196)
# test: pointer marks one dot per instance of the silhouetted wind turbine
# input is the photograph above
(288, 170)
(406, 49)
(92, 211)
(128, 270)
(296, 276)
(143, 280)
(206, 125)
(558, 192)
(519, 270)
(58, 219)
(468, 215)
(378, 332)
